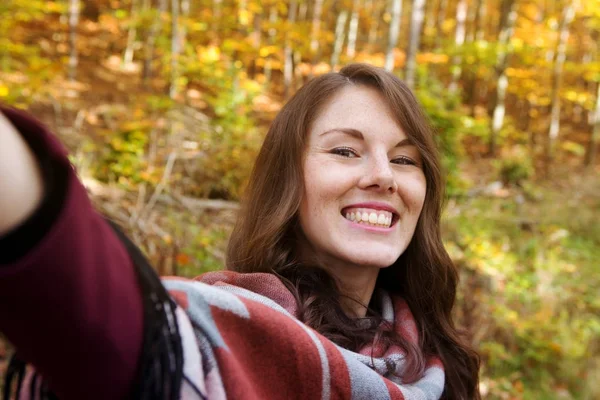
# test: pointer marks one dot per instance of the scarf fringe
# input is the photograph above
(160, 371)
(15, 370)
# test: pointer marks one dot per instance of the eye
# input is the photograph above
(404, 161)
(346, 152)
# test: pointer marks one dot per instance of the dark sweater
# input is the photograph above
(69, 298)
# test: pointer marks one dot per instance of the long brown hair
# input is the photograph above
(263, 239)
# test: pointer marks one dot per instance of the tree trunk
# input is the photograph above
(376, 10)
(91, 10)
(271, 33)
(288, 68)
(478, 35)
(416, 22)
(507, 22)
(131, 35)
(430, 18)
(256, 40)
(459, 40)
(151, 41)
(185, 13)
(393, 34)
(316, 27)
(302, 16)
(73, 23)
(339, 37)
(590, 155)
(216, 17)
(559, 59)
(353, 30)
(441, 18)
(175, 48)
(302, 10)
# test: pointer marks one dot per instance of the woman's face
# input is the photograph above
(364, 183)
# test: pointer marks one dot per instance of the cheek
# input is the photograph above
(322, 186)
(414, 194)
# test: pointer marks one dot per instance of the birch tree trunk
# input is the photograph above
(175, 48)
(376, 10)
(393, 34)
(478, 35)
(416, 22)
(441, 18)
(560, 55)
(353, 30)
(459, 41)
(185, 13)
(339, 37)
(131, 35)
(288, 67)
(316, 26)
(151, 40)
(507, 22)
(73, 23)
(302, 10)
(256, 40)
(590, 154)
(271, 33)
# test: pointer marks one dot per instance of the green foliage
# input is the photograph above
(122, 157)
(515, 168)
(540, 300)
(204, 250)
(445, 120)
(451, 125)
(233, 142)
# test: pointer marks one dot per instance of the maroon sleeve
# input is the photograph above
(71, 305)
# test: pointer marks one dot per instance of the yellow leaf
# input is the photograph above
(3, 91)
(244, 17)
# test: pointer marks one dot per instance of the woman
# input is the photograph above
(339, 232)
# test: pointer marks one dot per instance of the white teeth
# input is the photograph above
(373, 218)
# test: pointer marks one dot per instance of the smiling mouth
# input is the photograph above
(370, 217)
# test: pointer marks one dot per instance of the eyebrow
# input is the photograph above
(355, 133)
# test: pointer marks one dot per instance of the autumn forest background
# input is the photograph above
(164, 104)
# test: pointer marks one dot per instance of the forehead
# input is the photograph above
(362, 108)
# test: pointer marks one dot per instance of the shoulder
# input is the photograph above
(222, 287)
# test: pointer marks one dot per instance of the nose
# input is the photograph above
(379, 176)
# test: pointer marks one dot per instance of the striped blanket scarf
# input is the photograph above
(241, 340)
(251, 346)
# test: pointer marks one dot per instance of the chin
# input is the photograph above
(377, 261)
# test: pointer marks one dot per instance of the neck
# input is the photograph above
(357, 284)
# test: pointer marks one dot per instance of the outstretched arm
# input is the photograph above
(69, 297)
(21, 185)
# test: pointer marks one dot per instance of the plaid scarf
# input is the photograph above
(252, 346)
